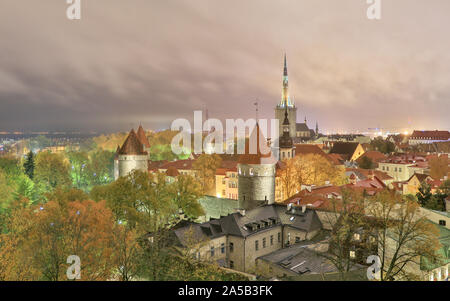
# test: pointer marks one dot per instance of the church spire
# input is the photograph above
(285, 100)
(285, 73)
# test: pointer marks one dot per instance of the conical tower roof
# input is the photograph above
(132, 145)
(256, 149)
(142, 137)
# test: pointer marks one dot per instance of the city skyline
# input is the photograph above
(152, 62)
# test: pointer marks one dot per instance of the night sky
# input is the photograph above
(152, 61)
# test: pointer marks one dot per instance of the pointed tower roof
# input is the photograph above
(285, 73)
(142, 137)
(256, 149)
(132, 145)
(116, 154)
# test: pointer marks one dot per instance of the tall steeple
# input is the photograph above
(285, 99)
(317, 128)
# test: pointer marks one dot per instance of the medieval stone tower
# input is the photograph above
(286, 103)
(256, 172)
(133, 155)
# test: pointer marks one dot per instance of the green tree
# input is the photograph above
(424, 194)
(205, 167)
(51, 171)
(366, 163)
(100, 169)
(381, 145)
(28, 165)
(78, 168)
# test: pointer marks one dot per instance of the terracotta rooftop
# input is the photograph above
(432, 135)
(374, 156)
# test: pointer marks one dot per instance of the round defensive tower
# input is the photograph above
(256, 172)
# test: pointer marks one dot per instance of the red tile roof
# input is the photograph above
(374, 156)
(432, 135)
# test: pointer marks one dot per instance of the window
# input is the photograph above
(399, 169)
(442, 222)
(297, 239)
(223, 192)
(289, 238)
(356, 236)
(352, 254)
(256, 245)
(231, 247)
(222, 248)
(395, 169)
(387, 168)
(383, 167)
(271, 240)
(231, 264)
(212, 251)
(279, 236)
(264, 242)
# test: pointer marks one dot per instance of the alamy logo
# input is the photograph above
(74, 271)
(219, 141)
(373, 272)
(374, 10)
(73, 12)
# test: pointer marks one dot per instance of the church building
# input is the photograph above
(299, 132)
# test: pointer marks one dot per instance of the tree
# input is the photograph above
(78, 168)
(186, 192)
(29, 165)
(424, 194)
(381, 145)
(205, 167)
(100, 169)
(127, 258)
(346, 217)
(51, 171)
(42, 237)
(439, 167)
(366, 163)
(404, 235)
(311, 169)
(148, 202)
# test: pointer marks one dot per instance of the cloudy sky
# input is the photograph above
(152, 61)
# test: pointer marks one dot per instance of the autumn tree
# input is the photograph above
(41, 237)
(439, 167)
(311, 169)
(205, 167)
(404, 235)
